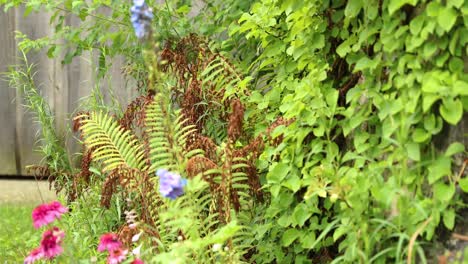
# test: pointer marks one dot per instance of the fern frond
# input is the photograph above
(110, 143)
(223, 76)
(168, 134)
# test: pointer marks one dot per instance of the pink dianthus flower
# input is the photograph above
(45, 214)
(36, 254)
(109, 242)
(137, 261)
(51, 242)
(116, 256)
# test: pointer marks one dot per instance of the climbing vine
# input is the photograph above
(371, 87)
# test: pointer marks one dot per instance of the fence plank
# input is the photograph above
(34, 26)
(7, 107)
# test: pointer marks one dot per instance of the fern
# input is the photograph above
(110, 143)
(167, 137)
(223, 76)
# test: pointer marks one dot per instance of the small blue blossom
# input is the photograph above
(171, 185)
(141, 16)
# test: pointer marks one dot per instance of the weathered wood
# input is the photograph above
(35, 26)
(7, 106)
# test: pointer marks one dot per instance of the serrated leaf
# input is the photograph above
(289, 236)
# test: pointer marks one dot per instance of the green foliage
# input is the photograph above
(368, 86)
(110, 143)
(16, 236)
(348, 99)
(52, 145)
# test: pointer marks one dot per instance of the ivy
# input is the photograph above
(369, 85)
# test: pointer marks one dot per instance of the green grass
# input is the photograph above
(17, 234)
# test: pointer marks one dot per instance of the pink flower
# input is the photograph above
(116, 256)
(137, 261)
(51, 243)
(109, 242)
(35, 254)
(45, 214)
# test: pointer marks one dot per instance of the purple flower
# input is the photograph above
(171, 185)
(141, 16)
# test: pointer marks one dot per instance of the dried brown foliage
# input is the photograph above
(236, 119)
(135, 112)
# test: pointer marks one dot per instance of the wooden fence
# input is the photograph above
(62, 86)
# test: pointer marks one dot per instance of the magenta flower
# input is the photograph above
(109, 242)
(45, 214)
(137, 261)
(36, 254)
(171, 185)
(116, 256)
(51, 243)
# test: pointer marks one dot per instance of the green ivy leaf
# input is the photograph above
(289, 236)
(454, 148)
(352, 8)
(446, 18)
(308, 239)
(463, 184)
(449, 218)
(416, 24)
(293, 183)
(456, 64)
(428, 101)
(278, 173)
(413, 151)
(443, 192)
(451, 110)
(301, 214)
(439, 168)
(420, 135)
(394, 5)
(460, 87)
(433, 8)
(455, 3)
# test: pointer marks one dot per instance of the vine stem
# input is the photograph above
(413, 239)
(95, 16)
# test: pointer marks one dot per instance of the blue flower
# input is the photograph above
(171, 185)
(141, 16)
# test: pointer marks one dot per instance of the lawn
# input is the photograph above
(17, 234)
